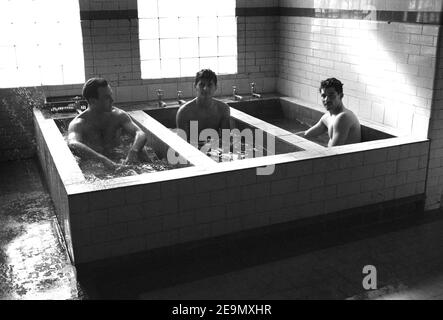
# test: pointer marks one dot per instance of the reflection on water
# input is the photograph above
(94, 170)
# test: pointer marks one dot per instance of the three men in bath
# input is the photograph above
(95, 132)
(341, 124)
(209, 113)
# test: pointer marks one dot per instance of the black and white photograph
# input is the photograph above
(215, 157)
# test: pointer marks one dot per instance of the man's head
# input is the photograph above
(331, 91)
(98, 93)
(205, 83)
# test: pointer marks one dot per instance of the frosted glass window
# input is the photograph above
(208, 47)
(148, 29)
(40, 43)
(178, 38)
(227, 46)
(168, 27)
(169, 48)
(150, 49)
(188, 27)
(189, 48)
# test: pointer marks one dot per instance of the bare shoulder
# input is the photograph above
(77, 123)
(222, 106)
(347, 118)
(188, 106)
(120, 114)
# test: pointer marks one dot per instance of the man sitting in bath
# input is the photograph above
(209, 113)
(94, 132)
(342, 124)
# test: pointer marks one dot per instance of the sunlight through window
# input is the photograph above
(40, 43)
(177, 38)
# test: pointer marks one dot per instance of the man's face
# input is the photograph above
(330, 98)
(205, 88)
(104, 99)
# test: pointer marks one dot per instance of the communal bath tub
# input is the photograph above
(206, 199)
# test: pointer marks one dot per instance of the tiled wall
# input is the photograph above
(387, 68)
(120, 221)
(111, 49)
(434, 186)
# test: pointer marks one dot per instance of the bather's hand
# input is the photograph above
(132, 157)
(109, 164)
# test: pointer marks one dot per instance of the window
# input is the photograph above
(178, 37)
(40, 43)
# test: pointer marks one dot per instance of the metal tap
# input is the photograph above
(161, 103)
(179, 98)
(253, 93)
(235, 96)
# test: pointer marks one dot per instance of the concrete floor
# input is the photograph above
(408, 257)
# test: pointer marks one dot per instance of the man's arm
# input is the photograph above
(340, 131)
(82, 150)
(139, 137)
(183, 123)
(316, 130)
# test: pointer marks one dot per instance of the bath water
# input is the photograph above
(94, 170)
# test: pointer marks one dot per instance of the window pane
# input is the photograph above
(227, 26)
(210, 63)
(189, 67)
(207, 27)
(188, 27)
(225, 7)
(147, 8)
(208, 47)
(52, 74)
(191, 34)
(189, 48)
(186, 8)
(169, 48)
(148, 28)
(227, 46)
(149, 49)
(7, 55)
(205, 8)
(42, 36)
(151, 69)
(170, 68)
(227, 65)
(168, 8)
(168, 27)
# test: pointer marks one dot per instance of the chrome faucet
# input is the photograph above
(179, 98)
(253, 93)
(161, 103)
(235, 96)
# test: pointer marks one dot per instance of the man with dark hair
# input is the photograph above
(341, 124)
(209, 112)
(94, 132)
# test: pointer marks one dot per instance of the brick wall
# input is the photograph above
(387, 68)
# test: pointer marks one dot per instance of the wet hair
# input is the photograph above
(90, 88)
(332, 83)
(206, 74)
